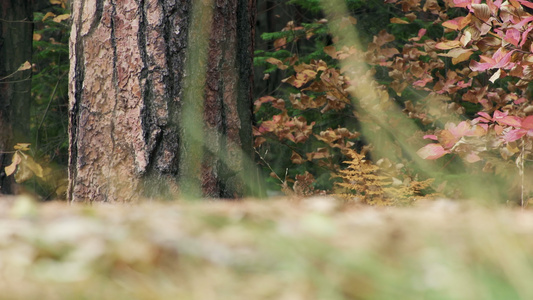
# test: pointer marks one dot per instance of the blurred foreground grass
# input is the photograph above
(311, 249)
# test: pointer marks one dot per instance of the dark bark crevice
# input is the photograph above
(97, 16)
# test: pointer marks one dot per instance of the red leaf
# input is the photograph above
(502, 58)
(421, 33)
(503, 118)
(472, 157)
(486, 117)
(447, 139)
(514, 135)
(520, 100)
(462, 3)
(512, 36)
(432, 151)
(460, 130)
(522, 23)
(525, 34)
(526, 3)
(494, 5)
(527, 122)
(479, 67)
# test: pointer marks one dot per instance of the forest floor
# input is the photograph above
(313, 248)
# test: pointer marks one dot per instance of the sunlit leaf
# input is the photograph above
(14, 162)
(278, 63)
(512, 36)
(448, 139)
(462, 3)
(514, 135)
(526, 3)
(25, 66)
(23, 173)
(49, 15)
(22, 146)
(36, 168)
(495, 76)
(458, 23)
(527, 122)
(482, 11)
(398, 21)
(504, 119)
(61, 18)
(432, 151)
(458, 55)
(472, 157)
(448, 45)
(421, 33)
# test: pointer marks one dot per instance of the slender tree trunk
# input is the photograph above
(128, 90)
(16, 35)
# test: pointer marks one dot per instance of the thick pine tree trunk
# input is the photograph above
(16, 35)
(128, 90)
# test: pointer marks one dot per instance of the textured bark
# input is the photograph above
(229, 77)
(16, 35)
(126, 87)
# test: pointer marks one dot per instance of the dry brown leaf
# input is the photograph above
(61, 18)
(14, 162)
(278, 63)
(25, 66)
(398, 21)
(49, 15)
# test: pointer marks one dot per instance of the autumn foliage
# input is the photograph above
(462, 75)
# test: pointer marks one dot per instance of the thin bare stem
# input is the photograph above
(46, 111)
(521, 168)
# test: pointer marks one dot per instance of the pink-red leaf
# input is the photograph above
(432, 151)
(421, 33)
(512, 36)
(514, 135)
(527, 122)
(472, 157)
(526, 3)
(503, 118)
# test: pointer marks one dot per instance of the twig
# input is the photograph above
(46, 111)
(521, 170)
(268, 165)
(15, 21)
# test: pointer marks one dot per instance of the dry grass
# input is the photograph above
(309, 249)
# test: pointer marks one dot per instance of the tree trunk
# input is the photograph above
(129, 88)
(16, 36)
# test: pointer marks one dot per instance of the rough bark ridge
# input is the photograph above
(16, 34)
(228, 97)
(126, 83)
